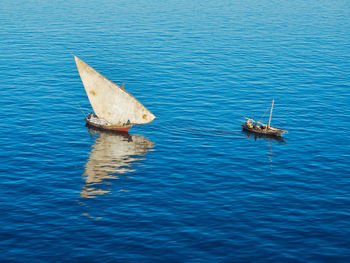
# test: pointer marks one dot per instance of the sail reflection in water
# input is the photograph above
(113, 154)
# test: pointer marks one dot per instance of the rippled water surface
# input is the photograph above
(191, 186)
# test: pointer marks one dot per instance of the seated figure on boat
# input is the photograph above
(254, 125)
(250, 125)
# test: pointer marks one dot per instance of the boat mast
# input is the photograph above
(271, 113)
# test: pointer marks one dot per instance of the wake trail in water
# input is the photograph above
(202, 131)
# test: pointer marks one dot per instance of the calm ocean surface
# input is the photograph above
(191, 186)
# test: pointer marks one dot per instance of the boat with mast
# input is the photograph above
(114, 108)
(252, 125)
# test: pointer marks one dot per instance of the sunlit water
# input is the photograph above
(190, 186)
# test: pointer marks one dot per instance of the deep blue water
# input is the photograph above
(191, 186)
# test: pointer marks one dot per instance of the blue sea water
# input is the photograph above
(191, 186)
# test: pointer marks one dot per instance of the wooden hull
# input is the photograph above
(258, 130)
(124, 128)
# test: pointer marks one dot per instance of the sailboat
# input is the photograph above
(115, 109)
(252, 125)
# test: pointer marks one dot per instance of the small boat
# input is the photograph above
(252, 125)
(115, 109)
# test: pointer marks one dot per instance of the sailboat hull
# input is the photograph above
(124, 128)
(267, 131)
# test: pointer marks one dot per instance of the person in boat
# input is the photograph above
(250, 125)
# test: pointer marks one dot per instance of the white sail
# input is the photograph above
(109, 101)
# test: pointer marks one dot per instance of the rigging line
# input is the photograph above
(264, 114)
(81, 109)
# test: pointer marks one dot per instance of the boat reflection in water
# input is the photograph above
(266, 137)
(112, 154)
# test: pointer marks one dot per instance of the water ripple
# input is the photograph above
(191, 186)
